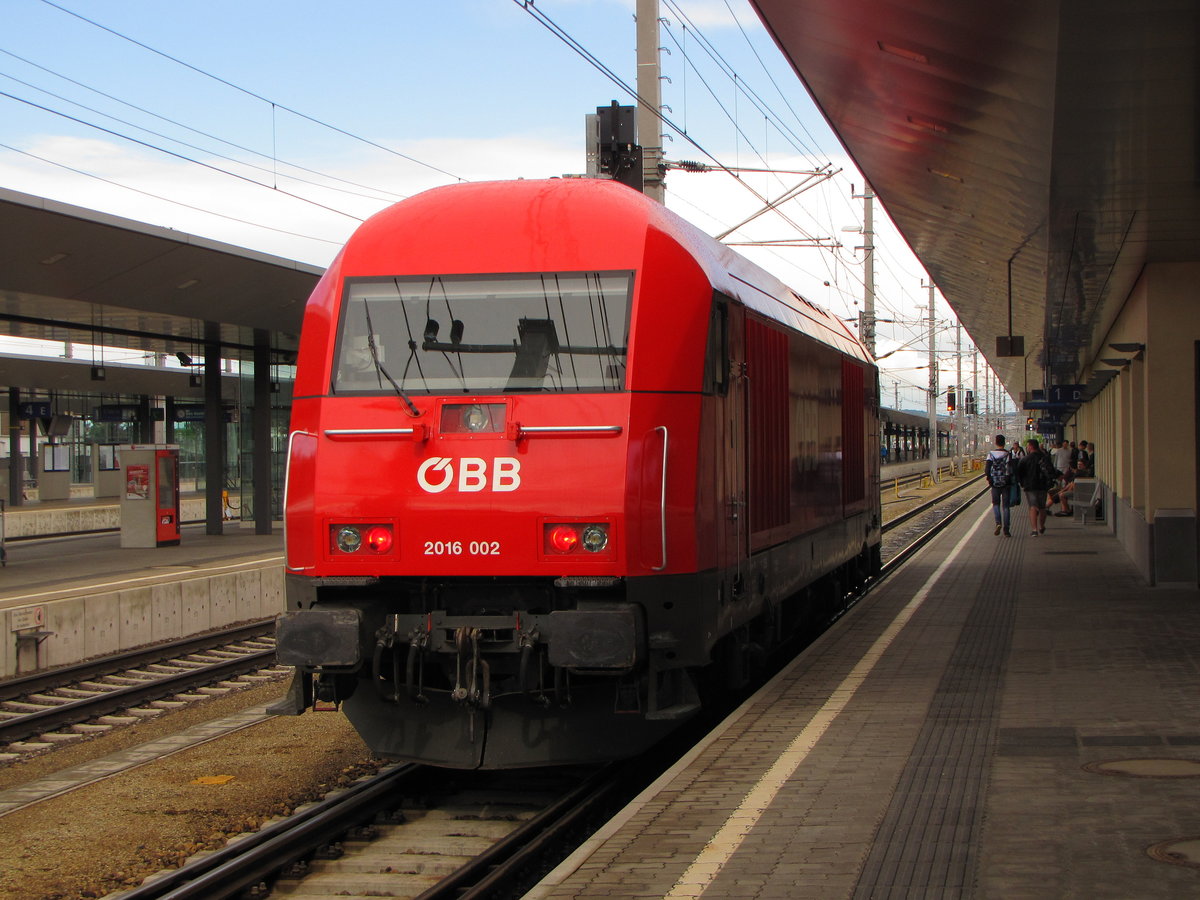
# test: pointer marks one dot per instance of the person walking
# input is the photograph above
(998, 468)
(1036, 475)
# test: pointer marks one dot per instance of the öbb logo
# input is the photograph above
(437, 473)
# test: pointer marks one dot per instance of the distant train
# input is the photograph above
(559, 465)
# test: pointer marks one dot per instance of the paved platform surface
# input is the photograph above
(60, 564)
(935, 744)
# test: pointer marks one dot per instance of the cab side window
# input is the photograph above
(716, 358)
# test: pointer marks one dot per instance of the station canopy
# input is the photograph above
(74, 275)
(1035, 154)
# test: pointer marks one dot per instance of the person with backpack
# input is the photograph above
(1036, 475)
(998, 469)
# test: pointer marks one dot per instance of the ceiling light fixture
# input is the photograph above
(903, 53)
(946, 175)
(928, 125)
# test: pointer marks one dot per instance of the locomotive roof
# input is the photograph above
(735, 276)
(726, 270)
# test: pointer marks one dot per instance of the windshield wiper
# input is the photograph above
(413, 411)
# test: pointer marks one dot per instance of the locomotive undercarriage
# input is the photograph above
(516, 672)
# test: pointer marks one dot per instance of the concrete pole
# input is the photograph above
(866, 319)
(962, 397)
(649, 88)
(214, 432)
(260, 425)
(933, 393)
(975, 390)
(16, 471)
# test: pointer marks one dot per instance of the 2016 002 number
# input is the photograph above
(456, 548)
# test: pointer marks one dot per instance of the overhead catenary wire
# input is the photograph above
(191, 146)
(562, 34)
(181, 156)
(771, 117)
(178, 124)
(253, 94)
(153, 196)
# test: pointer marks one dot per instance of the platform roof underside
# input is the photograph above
(72, 274)
(1057, 139)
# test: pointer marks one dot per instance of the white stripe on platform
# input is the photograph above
(718, 851)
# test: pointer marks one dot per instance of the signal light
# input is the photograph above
(352, 538)
(379, 539)
(571, 537)
(564, 538)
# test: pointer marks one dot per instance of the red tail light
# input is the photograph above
(379, 538)
(563, 538)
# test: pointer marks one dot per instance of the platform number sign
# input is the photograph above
(34, 409)
(1066, 393)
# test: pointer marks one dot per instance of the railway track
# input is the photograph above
(40, 711)
(409, 831)
(909, 532)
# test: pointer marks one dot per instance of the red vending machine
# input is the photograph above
(150, 503)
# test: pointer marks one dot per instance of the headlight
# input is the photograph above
(475, 418)
(349, 539)
(595, 538)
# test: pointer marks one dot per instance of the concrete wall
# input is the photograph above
(54, 485)
(1144, 421)
(27, 521)
(100, 624)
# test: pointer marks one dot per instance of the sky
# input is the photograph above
(279, 125)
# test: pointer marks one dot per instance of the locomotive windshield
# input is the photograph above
(484, 334)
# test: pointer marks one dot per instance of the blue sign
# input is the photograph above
(189, 413)
(1042, 404)
(34, 409)
(116, 412)
(1067, 393)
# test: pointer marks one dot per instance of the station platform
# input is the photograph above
(64, 599)
(50, 566)
(1006, 717)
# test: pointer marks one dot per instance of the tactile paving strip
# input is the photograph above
(925, 841)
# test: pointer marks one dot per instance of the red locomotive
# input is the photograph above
(558, 463)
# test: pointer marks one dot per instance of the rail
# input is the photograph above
(32, 717)
(925, 479)
(260, 855)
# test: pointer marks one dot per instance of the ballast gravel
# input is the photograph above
(110, 835)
